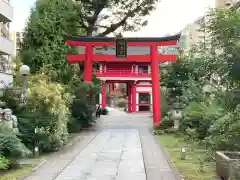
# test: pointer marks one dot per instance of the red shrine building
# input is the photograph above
(134, 61)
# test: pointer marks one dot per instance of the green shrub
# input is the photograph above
(200, 116)
(164, 105)
(11, 97)
(165, 124)
(4, 163)
(46, 108)
(122, 103)
(82, 113)
(11, 146)
(231, 99)
(225, 132)
(83, 107)
(158, 132)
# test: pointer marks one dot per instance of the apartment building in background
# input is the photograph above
(194, 34)
(17, 38)
(6, 45)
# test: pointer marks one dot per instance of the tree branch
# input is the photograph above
(93, 19)
(235, 6)
(115, 26)
(83, 25)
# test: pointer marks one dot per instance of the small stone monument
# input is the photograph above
(182, 153)
(8, 119)
(15, 123)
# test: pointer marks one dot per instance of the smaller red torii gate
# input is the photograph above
(153, 57)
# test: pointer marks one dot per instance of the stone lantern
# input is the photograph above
(176, 116)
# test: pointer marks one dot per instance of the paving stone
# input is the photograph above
(131, 176)
(101, 178)
(131, 166)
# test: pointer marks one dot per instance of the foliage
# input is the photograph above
(48, 103)
(225, 132)
(209, 118)
(196, 165)
(101, 18)
(16, 173)
(46, 108)
(224, 36)
(11, 146)
(4, 163)
(166, 123)
(200, 116)
(44, 38)
(11, 98)
(84, 104)
(231, 99)
(164, 104)
(177, 74)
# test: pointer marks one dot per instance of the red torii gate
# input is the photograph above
(153, 57)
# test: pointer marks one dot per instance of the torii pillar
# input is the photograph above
(88, 63)
(155, 85)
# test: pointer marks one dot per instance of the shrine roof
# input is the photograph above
(129, 39)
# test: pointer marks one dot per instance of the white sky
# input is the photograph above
(170, 16)
(21, 10)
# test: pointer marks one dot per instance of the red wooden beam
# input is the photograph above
(83, 43)
(144, 85)
(75, 58)
(119, 81)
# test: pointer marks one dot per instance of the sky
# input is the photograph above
(21, 10)
(170, 16)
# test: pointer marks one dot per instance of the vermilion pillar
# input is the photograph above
(155, 85)
(110, 88)
(88, 64)
(129, 97)
(104, 95)
(134, 94)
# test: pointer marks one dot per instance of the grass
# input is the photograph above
(195, 166)
(15, 174)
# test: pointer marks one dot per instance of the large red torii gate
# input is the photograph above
(153, 57)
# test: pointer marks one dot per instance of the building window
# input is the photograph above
(18, 43)
(18, 34)
(145, 100)
(5, 65)
(143, 69)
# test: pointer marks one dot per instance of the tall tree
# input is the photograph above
(44, 44)
(102, 17)
(223, 28)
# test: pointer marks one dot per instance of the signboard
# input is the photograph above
(121, 48)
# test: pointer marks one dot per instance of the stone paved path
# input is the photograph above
(122, 148)
(113, 154)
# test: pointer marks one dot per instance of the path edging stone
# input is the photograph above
(44, 161)
(33, 170)
(175, 170)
